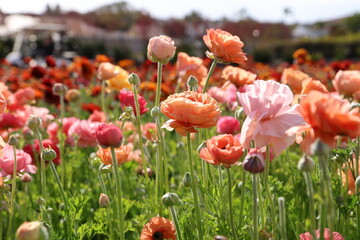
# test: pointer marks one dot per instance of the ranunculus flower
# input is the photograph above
(188, 110)
(222, 149)
(53, 128)
(97, 116)
(149, 130)
(32, 231)
(238, 76)
(84, 133)
(120, 81)
(3, 103)
(23, 161)
(9, 120)
(190, 66)
(329, 116)
(225, 94)
(47, 143)
(108, 135)
(107, 70)
(158, 228)
(347, 82)
(22, 96)
(294, 78)
(266, 104)
(224, 46)
(335, 235)
(227, 125)
(122, 154)
(161, 49)
(310, 85)
(127, 100)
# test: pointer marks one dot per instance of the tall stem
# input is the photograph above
(175, 219)
(115, 167)
(357, 156)
(282, 217)
(62, 140)
(211, 70)
(242, 198)
(42, 165)
(230, 205)
(193, 187)
(13, 194)
(310, 193)
(103, 85)
(158, 84)
(255, 210)
(268, 192)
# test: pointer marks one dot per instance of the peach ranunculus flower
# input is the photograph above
(294, 78)
(347, 82)
(3, 103)
(224, 47)
(266, 104)
(120, 81)
(238, 76)
(335, 235)
(161, 49)
(122, 154)
(304, 136)
(329, 116)
(189, 110)
(190, 66)
(310, 85)
(222, 149)
(107, 70)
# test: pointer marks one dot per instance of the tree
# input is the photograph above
(353, 23)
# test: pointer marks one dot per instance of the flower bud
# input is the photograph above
(155, 112)
(220, 238)
(320, 148)
(105, 168)
(187, 179)
(34, 122)
(201, 146)
(306, 164)
(41, 201)
(170, 199)
(238, 112)
(108, 135)
(27, 133)
(13, 140)
(59, 89)
(48, 154)
(72, 95)
(357, 182)
(134, 79)
(32, 231)
(254, 161)
(160, 49)
(192, 81)
(25, 178)
(104, 201)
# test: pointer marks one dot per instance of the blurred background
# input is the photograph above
(271, 30)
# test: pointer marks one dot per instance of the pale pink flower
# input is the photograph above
(23, 161)
(269, 115)
(83, 133)
(41, 112)
(335, 235)
(347, 82)
(226, 94)
(22, 96)
(53, 128)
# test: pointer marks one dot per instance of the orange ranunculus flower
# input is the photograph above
(294, 78)
(158, 228)
(222, 149)
(348, 177)
(187, 66)
(238, 76)
(188, 110)
(329, 116)
(122, 154)
(224, 46)
(310, 85)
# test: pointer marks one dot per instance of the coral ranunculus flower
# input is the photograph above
(294, 78)
(2, 103)
(238, 76)
(310, 85)
(222, 149)
(330, 116)
(335, 235)
(188, 110)
(187, 66)
(122, 154)
(269, 115)
(158, 228)
(347, 82)
(224, 46)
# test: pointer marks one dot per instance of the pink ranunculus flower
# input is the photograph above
(127, 100)
(347, 82)
(108, 135)
(83, 133)
(22, 96)
(227, 125)
(269, 115)
(97, 116)
(335, 235)
(161, 49)
(41, 112)
(53, 128)
(22, 158)
(225, 94)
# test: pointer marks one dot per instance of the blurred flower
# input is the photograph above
(301, 55)
(225, 94)
(33, 149)
(228, 125)
(335, 235)
(224, 46)
(21, 97)
(97, 116)
(32, 231)
(310, 85)
(50, 61)
(127, 100)
(222, 149)
(9, 120)
(120, 81)
(104, 200)
(160, 49)
(23, 161)
(90, 107)
(83, 132)
(122, 154)
(266, 104)
(158, 228)
(190, 66)
(149, 130)
(53, 128)
(347, 82)
(108, 135)
(38, 72)
(72, 95)
(238, 76)
(3, 103)
(188, 110)
(102, 58)
(294, 78)
(329, 116)
(107, 70)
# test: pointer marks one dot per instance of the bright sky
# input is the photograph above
(304, 11)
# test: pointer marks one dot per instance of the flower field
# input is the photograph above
(180, 147)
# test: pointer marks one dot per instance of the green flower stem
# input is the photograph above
(158, 185)
(110, 222)
(282, 218)
(230, 205)
(262, 206)
(103, 85)
(42, 165)
(177, 225)
(255, 208)
(13, 194)
(62, 140)
(138, 127)
(310, 193)
(120, 216)
(242, 198)
(211, 70)
(268, 192)
(158, 84)
(221, 188)
(357, 155)
(194, 187)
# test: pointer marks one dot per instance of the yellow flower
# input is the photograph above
(120, 81)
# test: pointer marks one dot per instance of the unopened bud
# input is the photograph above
(104, 201)
(155, 112)
(34, 122)
(105, 168)
(187, 179)
(170, 199)
(48, 154)
(13, 140)
(192, 82)
(306, 164)
(59, 89)
(220, 238)
(26, 178)
(32, 231)
(41, 201)
(72, 95)
(254, 162)
(27, 133)
(238, 112)
(133, 79)
(320, 148)
(357, 182)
